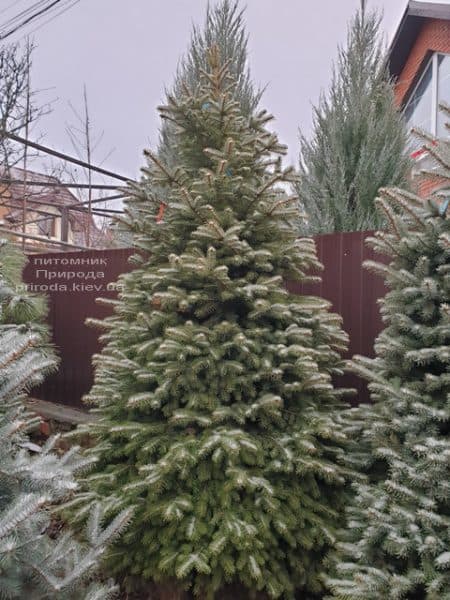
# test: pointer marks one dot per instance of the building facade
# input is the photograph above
(47, 213)
(419, 63)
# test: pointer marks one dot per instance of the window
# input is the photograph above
(443, 91)
(422, 109)
(418, 109)
(47, 225)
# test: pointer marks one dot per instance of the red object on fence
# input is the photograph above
(352, 290)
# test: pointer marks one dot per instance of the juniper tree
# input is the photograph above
(213, 390)
(32, 565)
(396, 545)
(359, 139)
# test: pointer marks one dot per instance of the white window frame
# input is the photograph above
(434, 61)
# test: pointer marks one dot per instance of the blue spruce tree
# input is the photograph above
(33, 478)
(214, 389)
(396, 544)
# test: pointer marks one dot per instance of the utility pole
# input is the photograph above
(88, 156)
(25, 153)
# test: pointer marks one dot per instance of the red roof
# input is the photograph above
(53, 195)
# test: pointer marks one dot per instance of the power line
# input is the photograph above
(61, 12)
(24, 13)
(28, 15)
(10, 6)
(33, 13)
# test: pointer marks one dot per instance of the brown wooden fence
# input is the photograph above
(73, 280)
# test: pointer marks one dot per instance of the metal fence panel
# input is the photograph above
(352, 290)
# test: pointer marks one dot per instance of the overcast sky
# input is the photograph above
(126, 52)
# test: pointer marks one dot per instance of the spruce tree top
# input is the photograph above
(228, 162)
(224, 28)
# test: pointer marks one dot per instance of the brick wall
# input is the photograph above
(433, 37)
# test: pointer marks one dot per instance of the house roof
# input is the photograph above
(57, 197)
(411, 23)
